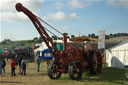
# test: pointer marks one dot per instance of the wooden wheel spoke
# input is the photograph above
(52, 71)
(97, 62)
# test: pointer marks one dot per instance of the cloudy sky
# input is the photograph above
(71, 16)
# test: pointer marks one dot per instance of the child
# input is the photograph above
(13, 65)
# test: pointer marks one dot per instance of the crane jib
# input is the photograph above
(44, 35)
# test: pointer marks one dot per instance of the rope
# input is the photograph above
(49, 25)
(51, 32)
(54, 29)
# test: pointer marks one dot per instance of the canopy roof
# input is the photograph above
(83, 39)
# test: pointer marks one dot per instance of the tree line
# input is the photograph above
(109, 35)
(7, 43)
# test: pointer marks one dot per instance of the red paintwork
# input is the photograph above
(64, 58)
(44, 35)
(65, 41)
(5, 53)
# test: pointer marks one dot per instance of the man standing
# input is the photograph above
(3, 65)
(19, 63)
(23, 64)
(38, 63)
(0, 67)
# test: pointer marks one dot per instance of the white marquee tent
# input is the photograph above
(117, 56)
(44, 46)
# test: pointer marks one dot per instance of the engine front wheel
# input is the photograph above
(75, 71)
(52, 71)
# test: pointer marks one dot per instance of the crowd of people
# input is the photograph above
(19, 61)
(22, 66)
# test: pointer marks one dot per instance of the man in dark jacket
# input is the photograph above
(3, 65)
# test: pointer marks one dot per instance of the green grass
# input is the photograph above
(109, 76)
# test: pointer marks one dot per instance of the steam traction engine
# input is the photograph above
(71, 60)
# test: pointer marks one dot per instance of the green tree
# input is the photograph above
(40, 40)
(72, 36)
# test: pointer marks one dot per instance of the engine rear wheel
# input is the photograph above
(97, 62)
(75, 71)
(52, 71)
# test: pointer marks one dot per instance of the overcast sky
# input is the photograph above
(71, 16)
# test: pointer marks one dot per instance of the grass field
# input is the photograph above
(109, 76)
